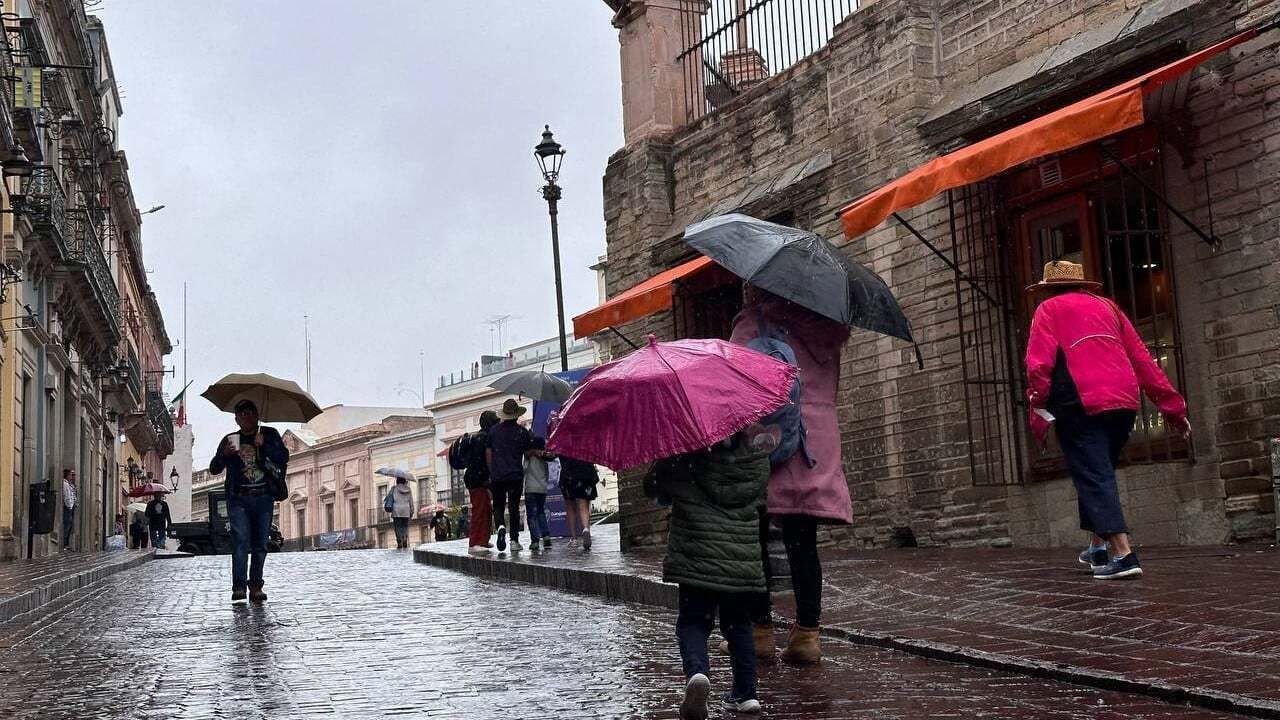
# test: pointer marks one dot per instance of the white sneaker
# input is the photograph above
(743, 706)
(478, 550)
(694, 705)
(516, 546)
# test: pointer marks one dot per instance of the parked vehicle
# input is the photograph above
(213, 536)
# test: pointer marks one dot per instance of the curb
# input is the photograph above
(648, 591)
(34, 598)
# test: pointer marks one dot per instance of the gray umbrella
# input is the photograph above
(534, 384)
(802, 267)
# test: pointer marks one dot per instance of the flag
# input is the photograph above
(179, 401)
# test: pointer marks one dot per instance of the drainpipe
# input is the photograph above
(1275, 482)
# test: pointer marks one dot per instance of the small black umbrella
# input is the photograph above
(802, 267)
(534, 384)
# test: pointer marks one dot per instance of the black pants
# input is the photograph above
(800, 536)
(693, 627)
(1091, 445)
(506, 496)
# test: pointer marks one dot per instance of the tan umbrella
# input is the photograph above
(277, 400)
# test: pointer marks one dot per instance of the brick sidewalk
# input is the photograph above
(27, 584)
(1202, 627)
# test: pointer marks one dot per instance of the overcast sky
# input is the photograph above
(369, 165)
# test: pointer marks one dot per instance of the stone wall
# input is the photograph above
(892, 69)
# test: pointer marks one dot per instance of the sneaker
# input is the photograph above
(478, 549)
(586, 540)
(742, 705)
(502, 538)
(1095, 557)
(694, 704)
(1118, 568)
(239, 595)
(516, 546)
(573, 543)
(546, 542)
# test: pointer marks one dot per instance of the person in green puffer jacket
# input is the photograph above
(713, 554)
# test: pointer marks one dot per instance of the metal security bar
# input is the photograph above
(732, 45)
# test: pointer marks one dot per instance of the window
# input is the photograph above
(424, 491)
(353, 512)
(382, 495)
(328, 517)
(300, 521)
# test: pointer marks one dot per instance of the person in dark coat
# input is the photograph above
(714, 556)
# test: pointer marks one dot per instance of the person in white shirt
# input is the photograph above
(68, 505)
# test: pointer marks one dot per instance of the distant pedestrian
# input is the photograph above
(68, 506)
(1085, 367)
(535, 494)
(137, 532)
(508, 443)
(464, 522)
(442, 527)
(248, 456)
(714, 556)
(808, 488)
(474, 447)
(399, 505)
(578, 481)
(119, 525)
(158, 520)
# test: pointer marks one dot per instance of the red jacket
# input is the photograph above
(1106, 358)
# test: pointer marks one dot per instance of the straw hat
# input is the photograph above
(1061, 273)
(511, 410)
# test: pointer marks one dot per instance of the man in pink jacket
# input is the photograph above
(1085, 367)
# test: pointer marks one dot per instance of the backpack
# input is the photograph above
(389, 502)
(786, 419)
(461, 450)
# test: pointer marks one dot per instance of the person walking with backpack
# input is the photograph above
(255, 458)
(508, 443)
(1086, 366)
(399, 505)
(464, 522)
(536, 471)
(469, 453)
(807, 486)
(158, 520)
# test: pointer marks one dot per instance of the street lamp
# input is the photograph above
(550, 154)
(173, 479)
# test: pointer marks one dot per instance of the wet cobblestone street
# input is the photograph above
(372, 634)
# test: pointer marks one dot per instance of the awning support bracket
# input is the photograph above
(1208, 237)
(625, 339)
(955, 268)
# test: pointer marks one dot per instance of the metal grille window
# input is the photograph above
(731, 45)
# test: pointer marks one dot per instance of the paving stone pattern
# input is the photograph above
(372, 634)
(28, 584)
(1203, 624)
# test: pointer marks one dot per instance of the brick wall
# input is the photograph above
(863, 98)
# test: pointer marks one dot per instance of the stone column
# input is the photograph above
(651, 35)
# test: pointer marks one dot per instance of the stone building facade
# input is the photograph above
(940, 455)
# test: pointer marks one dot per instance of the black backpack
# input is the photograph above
(461, 451)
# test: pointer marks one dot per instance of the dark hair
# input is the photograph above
(246, 404)
(488, 419)
(539, 443)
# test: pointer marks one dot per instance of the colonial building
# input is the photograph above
(330, 476)
(964, 144)
(76, 357)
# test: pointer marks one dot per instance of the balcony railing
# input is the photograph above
(45, 205)
(160, 419)
(735, 44)
(84, 249)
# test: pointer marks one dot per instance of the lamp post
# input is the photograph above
(173, 479)
(550, 154)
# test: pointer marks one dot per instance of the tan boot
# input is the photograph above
(762, 635)
(803, 646)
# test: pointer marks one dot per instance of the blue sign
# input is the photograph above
(556, 514)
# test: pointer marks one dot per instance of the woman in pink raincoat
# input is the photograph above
(1085, 367)
(802, 496)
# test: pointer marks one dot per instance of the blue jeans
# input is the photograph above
(68, 522)
(693, 628)
(535, 506)
(1091, 445)
(250, 517)
(157, 538)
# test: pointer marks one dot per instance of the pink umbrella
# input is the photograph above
(148, 489)
(666, 399)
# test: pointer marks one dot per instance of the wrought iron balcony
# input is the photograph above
(45, 205)
(160, 419)
(84, 253)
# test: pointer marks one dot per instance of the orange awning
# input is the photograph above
(648, 297)
(1093, 118)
